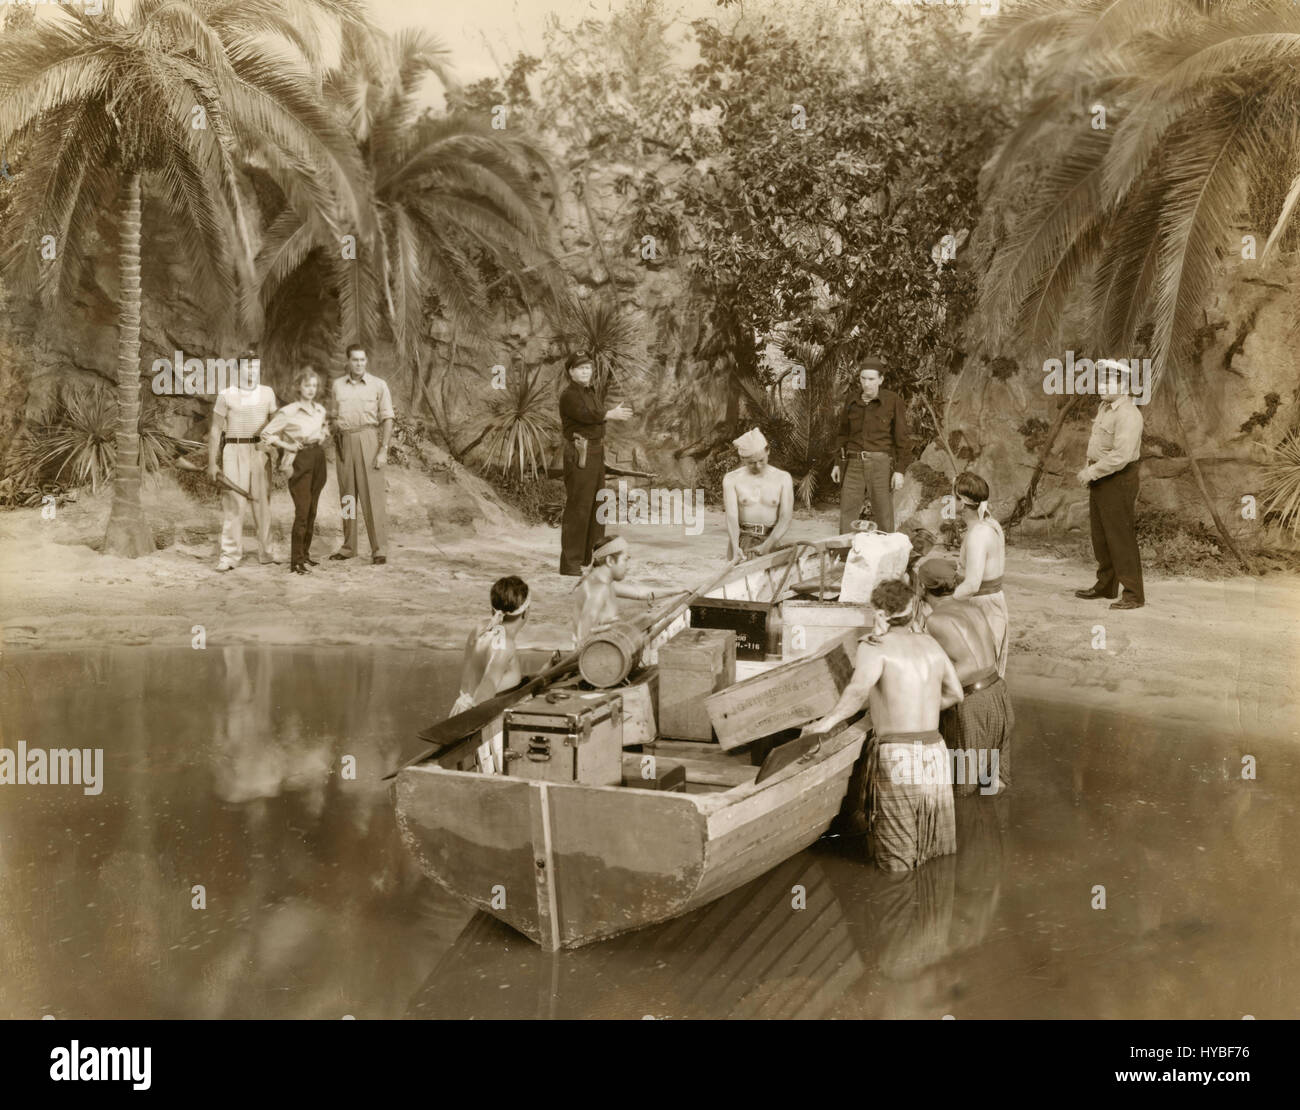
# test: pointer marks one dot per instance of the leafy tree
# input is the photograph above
(822, 193)
(171, 93)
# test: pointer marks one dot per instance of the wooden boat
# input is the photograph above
(567, 864)
(779, 947)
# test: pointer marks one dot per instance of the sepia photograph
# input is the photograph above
(650, 509)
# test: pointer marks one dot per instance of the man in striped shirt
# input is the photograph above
(237, 418)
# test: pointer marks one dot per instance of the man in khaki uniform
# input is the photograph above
(363, 421)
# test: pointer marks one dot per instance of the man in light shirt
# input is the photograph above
(363, 419)
(238, 417)
(1112, 480)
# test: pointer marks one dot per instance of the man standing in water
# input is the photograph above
(1112, 480)
(906, 679)
(364, 422)
(238, 417)
(978, 728)
(982, 560)
(873, 446)
(759, 499)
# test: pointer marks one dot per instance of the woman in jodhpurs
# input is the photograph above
(299, 429)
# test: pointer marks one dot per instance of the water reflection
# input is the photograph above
(225, 768)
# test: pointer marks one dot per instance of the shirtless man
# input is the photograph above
(982, 560)
(759, 499)
(595, 598)
(978, 728)
(906, 679)
(491, 656)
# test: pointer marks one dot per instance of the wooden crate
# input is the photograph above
(692, 665)
(639, 698)
(808, 626)
(757, 634)
(786, 696)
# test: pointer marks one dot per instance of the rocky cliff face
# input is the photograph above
(1241, 397)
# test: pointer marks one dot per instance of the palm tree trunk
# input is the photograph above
(128, 531)
(1228, 541)
(1026, 501)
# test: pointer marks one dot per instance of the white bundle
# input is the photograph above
(876, 557)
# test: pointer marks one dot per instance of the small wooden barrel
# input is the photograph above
(609, 656)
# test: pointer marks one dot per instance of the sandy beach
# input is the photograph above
(1223, 652)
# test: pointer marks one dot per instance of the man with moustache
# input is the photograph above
(873, 446)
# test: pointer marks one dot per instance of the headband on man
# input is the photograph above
(611, 546)
(499, 615)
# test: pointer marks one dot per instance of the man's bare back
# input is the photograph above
(964, 634)
(904, 677)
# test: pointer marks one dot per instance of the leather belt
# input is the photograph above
(865, 454)
(983, 682)
(242, 439)
(757, 529)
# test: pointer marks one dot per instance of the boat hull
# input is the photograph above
(567, 864)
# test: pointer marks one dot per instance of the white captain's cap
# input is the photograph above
(751, 444)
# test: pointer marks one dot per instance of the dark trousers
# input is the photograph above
(580, 531)
(305, 484)
(1112, 501)
(861, 476)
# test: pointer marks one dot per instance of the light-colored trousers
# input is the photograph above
(359, 480)
(246, 466)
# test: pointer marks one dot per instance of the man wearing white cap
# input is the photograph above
(1112, 480)
(758, 497)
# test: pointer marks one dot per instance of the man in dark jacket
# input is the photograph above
(582, 422)
(873, 447)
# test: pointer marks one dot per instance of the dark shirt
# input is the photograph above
(581, 414)
(880, 425)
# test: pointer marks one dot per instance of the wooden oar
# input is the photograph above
(454, 728)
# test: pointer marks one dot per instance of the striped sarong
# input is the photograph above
(982, 724)
(910, 787)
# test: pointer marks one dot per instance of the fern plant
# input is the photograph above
(1280, 488)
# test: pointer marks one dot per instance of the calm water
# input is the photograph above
(222, 769)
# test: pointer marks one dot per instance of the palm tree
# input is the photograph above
(444, 199)
(1201, 99)
(170, 95)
